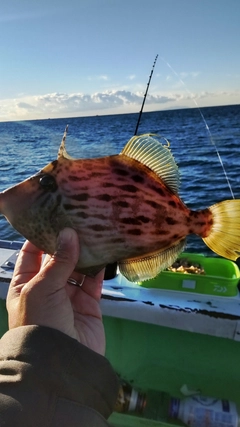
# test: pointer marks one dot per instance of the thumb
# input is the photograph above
(64, 260)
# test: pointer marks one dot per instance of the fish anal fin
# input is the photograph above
(149, 266)
(62, 153)
(149, 150)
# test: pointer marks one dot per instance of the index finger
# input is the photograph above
(27, 265)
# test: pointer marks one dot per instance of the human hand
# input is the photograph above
(40, 295)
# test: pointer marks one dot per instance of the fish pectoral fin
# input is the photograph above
(149, 266)
(149, 150)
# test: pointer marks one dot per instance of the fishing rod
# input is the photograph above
(144, 98)
(110, 270)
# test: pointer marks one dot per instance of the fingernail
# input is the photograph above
(64, 237)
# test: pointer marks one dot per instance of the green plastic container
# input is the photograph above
(221, 277)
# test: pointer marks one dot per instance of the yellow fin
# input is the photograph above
(148, 150)
(62, 150)
(224, 238)
(148, 267)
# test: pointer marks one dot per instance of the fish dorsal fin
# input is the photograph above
(148, 267)
(149, 150)
(62, 150)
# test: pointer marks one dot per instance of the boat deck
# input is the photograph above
(160, 340)
(211, 315)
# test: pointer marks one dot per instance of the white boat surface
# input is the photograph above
(205, 314)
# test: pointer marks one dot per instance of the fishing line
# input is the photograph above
(206, 125)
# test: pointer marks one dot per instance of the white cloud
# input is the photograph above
(10, 17)
(132, 77)
(101, 77)
(27, 14)
(195, 74)
(104, 77)
(185, 75)
(180, 78)
(105, 102)
(54, 104)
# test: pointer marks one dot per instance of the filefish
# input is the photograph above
(125, 209)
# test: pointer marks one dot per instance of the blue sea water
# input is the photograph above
(27, 146)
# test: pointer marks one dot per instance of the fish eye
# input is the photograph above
(48, 183)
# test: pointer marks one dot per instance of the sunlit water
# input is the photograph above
(28, 146)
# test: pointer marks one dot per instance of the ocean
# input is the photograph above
(199, 139)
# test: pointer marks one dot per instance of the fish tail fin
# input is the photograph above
(224, 237)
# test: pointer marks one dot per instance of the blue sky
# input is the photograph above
(84, 57)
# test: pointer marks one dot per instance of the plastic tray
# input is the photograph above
(221, 277)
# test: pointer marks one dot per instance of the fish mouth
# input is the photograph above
(14, 201)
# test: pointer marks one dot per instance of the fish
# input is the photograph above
(125, 208)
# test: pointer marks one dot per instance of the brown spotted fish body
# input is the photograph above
(125, 208)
